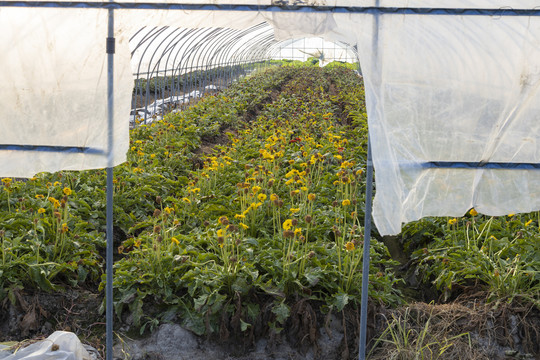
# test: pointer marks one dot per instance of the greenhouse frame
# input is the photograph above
(452, 91)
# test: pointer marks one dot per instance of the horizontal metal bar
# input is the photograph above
(480, 165)
(49, 148)
(506, 11)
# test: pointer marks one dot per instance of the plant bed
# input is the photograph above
(240, 219)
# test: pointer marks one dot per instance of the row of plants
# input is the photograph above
(189, 79)
(271, 216)
(500, 255)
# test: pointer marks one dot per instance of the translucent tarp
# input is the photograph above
(54, 90)
(60, 345)
(439, 87)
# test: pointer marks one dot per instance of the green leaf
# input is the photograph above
(244, 325)
(340, 301)
(282, 312)
(313, 276)
(39, 277)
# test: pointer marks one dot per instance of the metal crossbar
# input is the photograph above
(503, 11)
(479, 165)
(52, 148)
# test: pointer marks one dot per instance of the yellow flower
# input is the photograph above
(287, 224)
(223, 221)
(54, 202)
(473, 212)
(261, 197)
(39, 196)
(186, 200)
(243, 226)
(273, 197)
(338, 157)
(175, 241)
(452, 221)
(56, 183)
(294, 210)
(220, 232)
(256, 189)
(511, 215)
(65, 227)
(195, 190)
(528, 222)
(349, 246)
(291, 173)
(41, 210)
(346, 202)
(311, 197)
(359, 172)
(297, 231)
(7, 180)
(168, 210)
(67, 191)
(239, 216)
(254, 206)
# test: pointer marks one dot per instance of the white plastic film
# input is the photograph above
(452, 89)
(54, 91)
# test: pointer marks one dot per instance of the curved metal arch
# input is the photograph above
(154, 68)
(244, 55)
(194, 53)
(149, 37)
(206, 54)
(227, 47)
(262, 52)
(222, 54)
(192, 33)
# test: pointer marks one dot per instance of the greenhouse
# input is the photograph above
(202, 172)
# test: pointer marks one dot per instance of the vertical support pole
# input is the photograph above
(365, 258)
(369, 201)
(110, 144)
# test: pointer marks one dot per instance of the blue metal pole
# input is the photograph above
(110, 120)
(369, 200)
(365, 258)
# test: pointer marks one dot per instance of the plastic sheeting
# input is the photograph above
(54, 90)
(451, 89)
(438, 88)
(60, 345)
